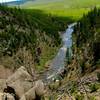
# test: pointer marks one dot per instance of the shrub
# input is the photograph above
(79, 97)
(92, 98)
(74, 87)
(93, 88)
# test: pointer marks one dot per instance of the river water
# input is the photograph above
(58, 62)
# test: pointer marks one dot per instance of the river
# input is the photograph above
(58, 62)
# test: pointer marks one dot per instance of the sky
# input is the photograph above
(2, 1)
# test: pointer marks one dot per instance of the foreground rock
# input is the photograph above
(20, 74)
(2, 84)
(5, 72)
(6, 96)
(23, 86)
(39, 88)
(36, 92)
(30, 95)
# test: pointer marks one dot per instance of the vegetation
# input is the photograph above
(73, 88)
(86, 56)
(72, 8)
(79, 97)
(86, 37)
(31, 30)
(93, 88)
(31, 38)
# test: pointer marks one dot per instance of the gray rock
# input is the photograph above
(30, 95)
(3, 96)
(39, 87)
(21, 74)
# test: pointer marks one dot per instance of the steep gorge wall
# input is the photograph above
(86, 43)
(28, 36)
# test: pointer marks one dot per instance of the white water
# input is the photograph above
(59, 61)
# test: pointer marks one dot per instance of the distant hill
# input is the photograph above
(71, 8)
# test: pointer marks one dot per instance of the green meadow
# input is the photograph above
(70, 8)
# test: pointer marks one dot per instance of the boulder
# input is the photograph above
(23, 97)
(1, 95)
(8, 96)
(37, 90)
(21, 87)
(21, 74)
(30, 95)
(4, 96)
(39, 87)
(17, 87)
(27, 85)
(21, 81)
(5, 72)
(2, 84)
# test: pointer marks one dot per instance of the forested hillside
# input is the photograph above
(87, 36)
(29, 30)
(82, 80)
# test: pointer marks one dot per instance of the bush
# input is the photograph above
(74, 87)
(79, 97)
(92, 98)
(93, 88)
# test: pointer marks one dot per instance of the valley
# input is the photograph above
(50, 50)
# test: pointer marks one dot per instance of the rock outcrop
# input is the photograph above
(6, 96)
(20, 74)
(30, 95)
(23, 85)
(39, 87)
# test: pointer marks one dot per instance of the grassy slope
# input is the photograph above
(73, 8)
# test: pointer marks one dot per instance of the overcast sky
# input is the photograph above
(2, 1)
